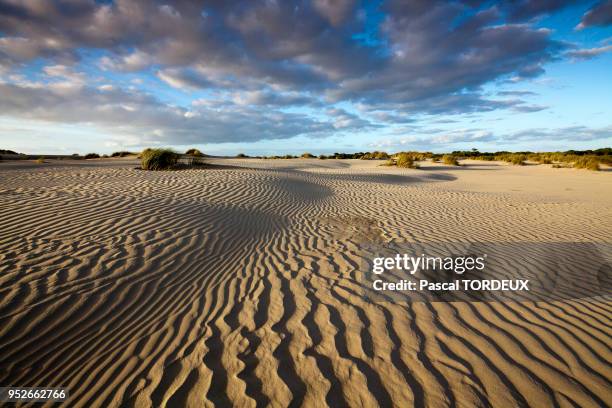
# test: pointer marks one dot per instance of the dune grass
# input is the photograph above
(158, 159)
(588, 163)
(92, 156)
(450, 160)
(405, 160)
(308, 156)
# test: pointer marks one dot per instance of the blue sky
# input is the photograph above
(271, 77)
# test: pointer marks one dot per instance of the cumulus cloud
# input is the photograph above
(123, 112)
(260, 57)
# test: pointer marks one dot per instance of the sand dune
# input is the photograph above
(236, 286)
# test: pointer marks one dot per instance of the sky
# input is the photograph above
(276, 77)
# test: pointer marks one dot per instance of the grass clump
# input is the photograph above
(40, 160)
(194, 152)
(92, 156)
(405, 160)
(589, 163)
(450, 160)
(308, 156)
(158, 159)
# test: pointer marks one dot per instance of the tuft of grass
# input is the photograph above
(158, 159)
(589, 163)
(194, 152)
(450, 160)
(405, 160)
(308, 156)
(40, 160)
(92, 156)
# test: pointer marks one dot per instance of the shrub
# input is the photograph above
(158, 159)
(376, 155)
(450, 160)
(121, 154)
(405, 160)
(40, 160)
(589, 163)
(92, 156)
(241, 156)
(194, 152)
(308, 156)
(322, 157)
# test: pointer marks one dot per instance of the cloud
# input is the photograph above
(184, 78)
(257, 60)
(574, 133)
(132, 113)
(529, 108)
(425, 139)
(599, 15)
(588, 53)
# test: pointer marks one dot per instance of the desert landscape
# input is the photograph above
(319, 203)
(233, 284)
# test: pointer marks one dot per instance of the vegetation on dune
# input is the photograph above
(405, 160)
(158, 159)
(40, 160)
(589, 159)
(308, 156)
(587, 162)
(582, 159)
(121, 154)
(194, 152)
(241, 156)
(376, 155)
(450, 159)
(92, 156)
(513, 158)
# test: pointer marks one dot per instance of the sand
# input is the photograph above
(233, 285)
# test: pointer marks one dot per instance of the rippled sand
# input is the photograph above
(233, 285)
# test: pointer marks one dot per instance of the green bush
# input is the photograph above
(308, 156)
(450, 160)
(241, 156)
(158, 159)
(92, 156)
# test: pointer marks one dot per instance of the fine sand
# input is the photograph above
(233, 285)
